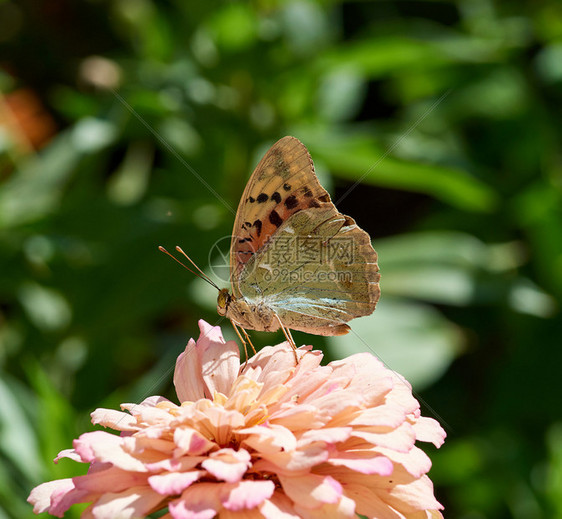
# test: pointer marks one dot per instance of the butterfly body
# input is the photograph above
(295, 261)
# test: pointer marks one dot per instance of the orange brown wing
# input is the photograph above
(282, 184)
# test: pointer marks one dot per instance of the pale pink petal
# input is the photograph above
(327, 435)
(114, 419)
(415, 462)
(149, 414)
(365, 463)
(227, 464)
(68, 453)
(130, 504)
(156, 400)
(401, 438)
(311, 491)
(190, 441)
(269, 438)
(298, 460)
(199, 501)
(296, 417)
(417, 495)
(278, 506)
(220, 360)
(253, 513)
(40, 496)
(109, 479)
(271, 359)
(188, 380)
(381, 416)
(307, 386)
(173, 483)
(175, 464)
(429, 430)
(62, 500)
(272, 365)
(106, 447)
(344, 508)
(401, 395)
(368, 503)
(245, 494)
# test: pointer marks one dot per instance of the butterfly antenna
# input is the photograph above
(199, 272)
(203, 275)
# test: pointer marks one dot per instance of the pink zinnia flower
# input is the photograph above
(268, 439)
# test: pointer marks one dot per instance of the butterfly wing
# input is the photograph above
(316, 273)
(282, 184)
(292, 249)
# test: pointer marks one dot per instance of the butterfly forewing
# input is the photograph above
(282, 184)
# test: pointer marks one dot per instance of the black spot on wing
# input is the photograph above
(291, 202)
(324, 198)
(276, 196)
(275, 219)
(257, 225)
(307, 192)
(262, 197)
(287, 187)
(251, 199)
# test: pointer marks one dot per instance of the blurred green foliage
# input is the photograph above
(133, 123)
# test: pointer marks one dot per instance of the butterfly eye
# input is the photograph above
(222, 301)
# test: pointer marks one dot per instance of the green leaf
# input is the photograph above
(18, 442)
(362, 159)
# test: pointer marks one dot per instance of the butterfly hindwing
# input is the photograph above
(317, 272)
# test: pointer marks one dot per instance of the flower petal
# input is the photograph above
(190, 441)
(40, 496)
(173, 483)
(220, 360)
(269, 438)
(245, 494)
(400, 439)
(129, 504)
(311, 491)
(278, 506)
(343, 509)
(417, 495)
(368, 503)
(429, 430)
(227, 464)
(105, 447)
(188, 380)
(68, 453)
(199, 501)
(363, 462)
(109, 479)
(298, 460)
(114, 419)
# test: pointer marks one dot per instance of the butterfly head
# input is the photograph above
(223, 301)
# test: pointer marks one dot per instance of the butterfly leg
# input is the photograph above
(249, 340)
(241, 339)
(289, 337)
(235, 325)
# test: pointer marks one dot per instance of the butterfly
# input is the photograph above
(296, 262)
